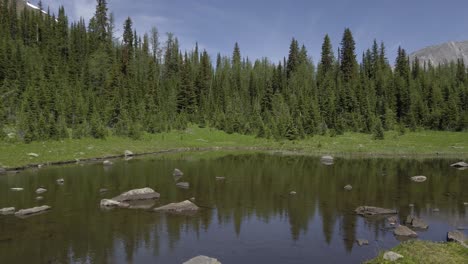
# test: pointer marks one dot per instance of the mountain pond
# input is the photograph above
(249, 217)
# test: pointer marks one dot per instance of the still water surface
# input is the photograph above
(248, 218)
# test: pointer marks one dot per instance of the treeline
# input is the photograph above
(61, 80)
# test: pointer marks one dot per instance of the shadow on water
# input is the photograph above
(253, 218)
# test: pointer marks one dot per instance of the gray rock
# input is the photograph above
(362, 242)
(41, 190)
(128, 153)
(35, 155)
(16, 189)
(183, 185)
(2, 170)
(348, 187)
(456, 236)
(411, 205)
(293, 193)
(327, 160)
(371, 210)
(137, 194)
(32, 211)
(39, 198)
(60, 181)
(460, 164)
(202, 260)
(142, 204)
(435, 210)
(416, 222)
(107, 163)
(465, 203)
(107, 203)
(404, 232)
(103, 190)
(220, 178)
(392, 256)
(7, 211)
(177, 172)
(419, 178)
(185, 207)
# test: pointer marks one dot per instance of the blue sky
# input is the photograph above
(264, 28)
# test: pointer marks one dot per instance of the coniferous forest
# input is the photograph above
(62, 79)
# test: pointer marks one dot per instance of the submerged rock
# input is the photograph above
(103, 190)
(404, 231)
(348, 187)
(17, 189)
(185, 207)
(39, 198)
(362, 242)
(419, 178)
(7, 211)
(41, 190)
(327, 160)
(32, 211)
(371, 210)
(392, 256)
(416, 222)
(137, 194)
(142, 204)
(220, 178)
(107, 203)
(107, 163)
(183, 185)
(202, 260)
(460, 164)
(177, 172)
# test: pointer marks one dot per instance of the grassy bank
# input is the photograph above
(425, 143)
(427, 252)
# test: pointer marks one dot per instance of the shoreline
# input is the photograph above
(269, 150)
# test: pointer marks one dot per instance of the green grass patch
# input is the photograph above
(425, 143)
(417, 251)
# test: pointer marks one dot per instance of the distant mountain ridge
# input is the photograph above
(443, 53)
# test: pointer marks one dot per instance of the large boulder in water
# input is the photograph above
(32, 211)
(185, 207)
(372, 210)
(202, 260)
(419, 178)
(416, 222)
(327, 160)
(460, 164)
(137, 194)
(404, 231)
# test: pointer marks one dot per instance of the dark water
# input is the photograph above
(249, 218)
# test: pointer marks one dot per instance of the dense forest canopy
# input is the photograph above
(61, 79)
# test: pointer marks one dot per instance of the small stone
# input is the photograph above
(2, 170)
(17, 189)
(411, 205)
(392, 256)
(220, 178)
(107, 163)
(39, 198)
(460, 164)
(292, 193)
(327, 160)
(128, 153)
(419, 178)
(192, 199)
(185, 207)
(103, 190)
(7, 211)
(60, 181)
(465, 203)
(107, 203)
(435, 210)
(348, 187)
(202, 260)
(362, 242)
(183, 185)
(35, 155)
(177, 172)
(392, 220)
(404, 231)
(41, 190)
(32, 211)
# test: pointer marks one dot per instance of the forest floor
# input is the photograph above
(417, 251)
(419, 144)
